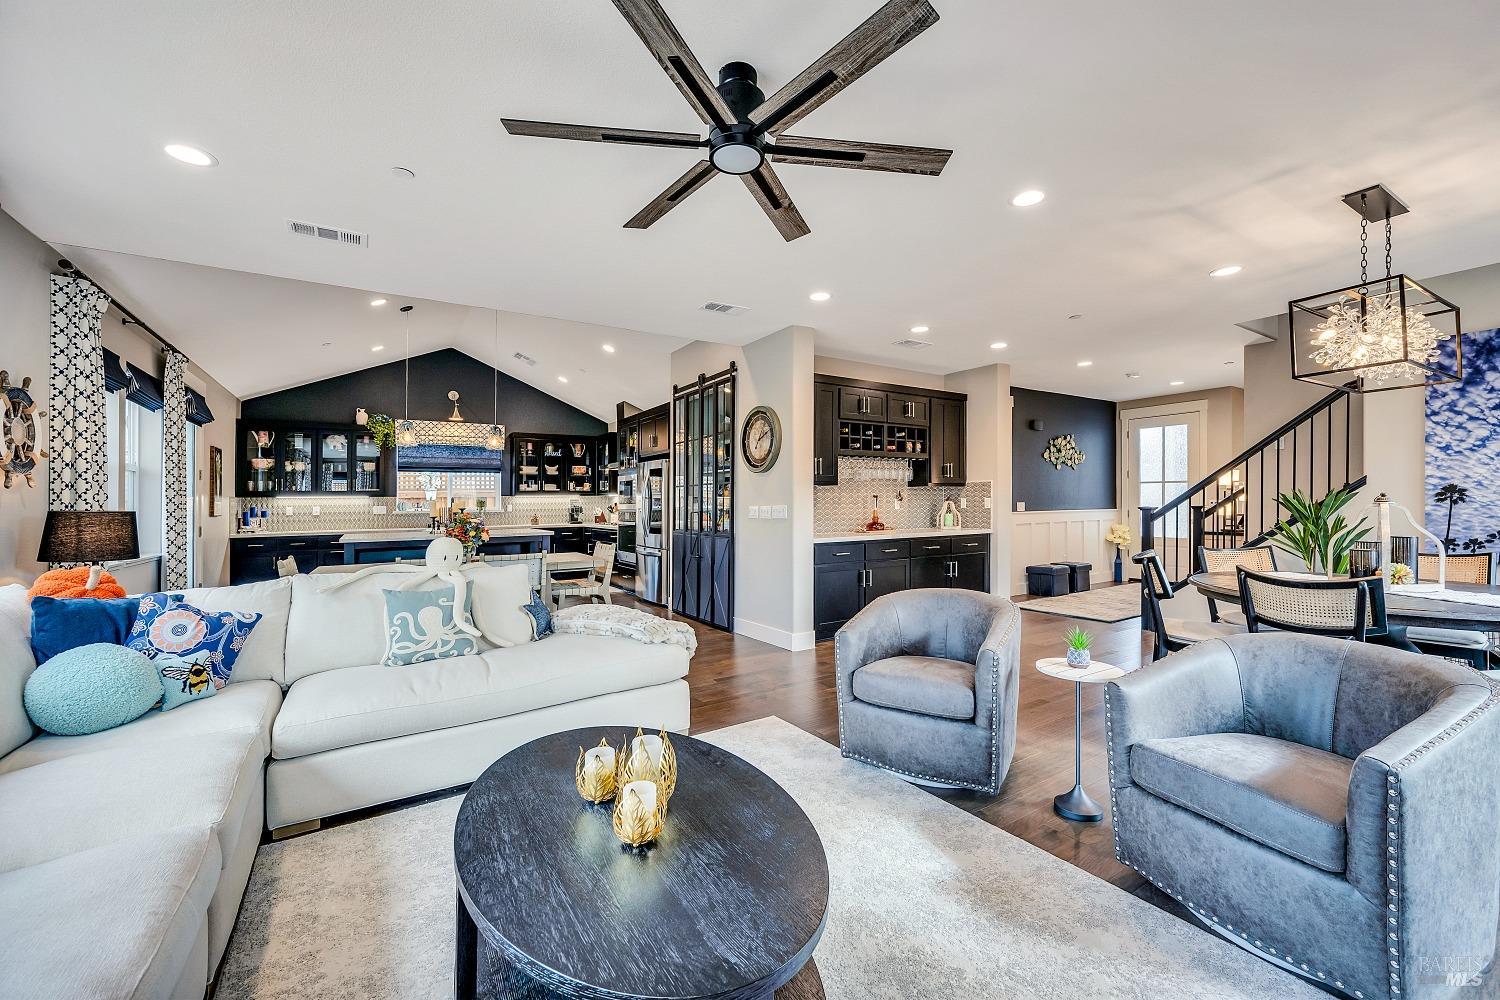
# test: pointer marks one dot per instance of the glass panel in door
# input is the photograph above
(366, 464)
(694, 465)
(679, 464)
(260, 461)
(334, 462)
(297, 462)
(724, 459)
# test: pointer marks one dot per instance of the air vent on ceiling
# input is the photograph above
(724, 308)
(527, 359)
(912, 343)
(343, 236)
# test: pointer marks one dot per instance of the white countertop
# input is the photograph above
(875, 536)
(571, 524)
(423, 535)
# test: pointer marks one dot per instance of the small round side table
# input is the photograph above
(1076, 805)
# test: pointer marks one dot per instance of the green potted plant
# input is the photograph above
(1079, 643)
(1317, 532)
(383, 429)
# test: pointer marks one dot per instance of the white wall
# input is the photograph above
(773, 558)
(1046, 536)
(989, 431)
(845, 368)
(25, 325)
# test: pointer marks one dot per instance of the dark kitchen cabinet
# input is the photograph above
(654, 442)
(948, 442)
(254, 558)
(907, 409)
(825, 435)
(277, 457)
(847, 576)
(861, 404)
(552, 464)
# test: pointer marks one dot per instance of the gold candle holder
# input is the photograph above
(595, 773)
(649, 758)
(639, 812)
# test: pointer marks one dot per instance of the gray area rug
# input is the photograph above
(1107, 604)
(926, 903)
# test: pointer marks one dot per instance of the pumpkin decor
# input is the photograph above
(74, 582)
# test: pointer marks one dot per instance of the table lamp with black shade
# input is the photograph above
(93, 537)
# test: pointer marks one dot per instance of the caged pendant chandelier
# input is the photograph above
(1389, 333)
(406, 431)
(495, 440)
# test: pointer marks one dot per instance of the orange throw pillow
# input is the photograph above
(73, 582)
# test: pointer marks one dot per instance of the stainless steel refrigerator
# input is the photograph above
(651, 531)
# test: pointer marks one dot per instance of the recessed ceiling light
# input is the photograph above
(1175, 381)
(920, 329)
(999, 345)
(377, 302)
(608, 348)
(821, 296)
(1132, 374)
(1076, 316)
(1028, 198)
(1225, 271)
(403, 173)
(1084, 364)
(562, 378)
(378, 347)
(190, 154)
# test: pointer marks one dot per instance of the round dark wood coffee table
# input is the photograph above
(728, 904)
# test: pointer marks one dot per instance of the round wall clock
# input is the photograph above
(760, 439)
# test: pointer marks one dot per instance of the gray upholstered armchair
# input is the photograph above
(927, 686)
(1330, 806)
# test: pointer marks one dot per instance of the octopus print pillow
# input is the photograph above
(419, 626)
(167, 625)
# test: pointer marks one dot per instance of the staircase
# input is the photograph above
(1237, 504)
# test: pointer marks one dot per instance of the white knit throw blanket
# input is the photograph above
(628, 623)
(1456, 596)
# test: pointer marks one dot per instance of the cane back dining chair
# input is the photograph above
(1473, 648)
(1171, 634)
(1261, 558)
(1341, 607)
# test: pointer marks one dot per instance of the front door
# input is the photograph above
(1165, 457)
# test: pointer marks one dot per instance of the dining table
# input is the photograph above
(1403, 608)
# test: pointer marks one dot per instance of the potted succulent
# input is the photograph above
(1079, 642)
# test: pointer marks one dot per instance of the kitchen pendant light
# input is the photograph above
(406, 431)
(495, 440)
(1389, 333)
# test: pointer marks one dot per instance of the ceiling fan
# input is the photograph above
(745, 127)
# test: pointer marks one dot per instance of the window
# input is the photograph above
(192, 504)
(416, 491)
(1161, 469)
(130, 462)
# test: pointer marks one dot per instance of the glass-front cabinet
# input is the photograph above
(281, 457)
(703, 447)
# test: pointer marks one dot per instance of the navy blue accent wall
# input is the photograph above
(524, 409)
(1035, 482)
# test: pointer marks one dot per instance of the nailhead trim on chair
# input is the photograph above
(993, 787)
(1392, 822)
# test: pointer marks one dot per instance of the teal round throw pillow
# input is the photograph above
(89, 689)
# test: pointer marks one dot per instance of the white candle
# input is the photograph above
(599, 757)
(646, 790)
(651, 744)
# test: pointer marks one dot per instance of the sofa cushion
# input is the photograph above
(926, 685)
(240, 708)
(1289, 797)
(16, 665)
(92, 799)
(119, 920)
(60, 624)
(332, 629)
(264, 654)
(499, 592)
(424, 625)
(340, 708)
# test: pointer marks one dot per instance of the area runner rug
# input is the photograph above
(925, 903)
(1107, 604)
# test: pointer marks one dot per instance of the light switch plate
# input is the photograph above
(988, 503)
(963, 503)
(377, 509)
(317, 510)
(779, 512)
(1020, 506)
(290, 511)
(754, 512)
(765, 511)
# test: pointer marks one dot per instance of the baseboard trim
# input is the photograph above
(794, 641)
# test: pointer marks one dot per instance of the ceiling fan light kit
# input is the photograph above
(745, 127)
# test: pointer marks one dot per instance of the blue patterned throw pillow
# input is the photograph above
(167, 625)
(419, 626)
(541, 617)
(185, 678)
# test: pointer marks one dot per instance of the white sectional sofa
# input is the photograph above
(124, 854)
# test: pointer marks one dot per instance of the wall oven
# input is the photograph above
(651, 531)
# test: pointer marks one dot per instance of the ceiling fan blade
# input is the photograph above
(697, 175)
(660, 35)
(766, 187)
(860, 155)
(594, 133)
(889, 28)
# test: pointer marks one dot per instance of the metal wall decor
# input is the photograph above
(18, 413)
(1380, 334)
(1063, 450)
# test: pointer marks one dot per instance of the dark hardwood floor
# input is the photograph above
(737, 679)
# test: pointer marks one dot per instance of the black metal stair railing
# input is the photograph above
(1238, 504)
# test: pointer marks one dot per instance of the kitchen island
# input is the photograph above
(253, 555)
(401, 544)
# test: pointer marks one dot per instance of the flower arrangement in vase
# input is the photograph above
(470, 530)
(1118, 535)
(1079, 644)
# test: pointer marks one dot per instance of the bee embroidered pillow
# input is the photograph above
(185, 678)
(420, 626)
(165, 625)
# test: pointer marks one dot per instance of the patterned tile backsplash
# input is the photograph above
(358, 513)
(846, 507)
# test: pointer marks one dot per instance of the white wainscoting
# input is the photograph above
(1044, 536)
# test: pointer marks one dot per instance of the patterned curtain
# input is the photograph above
(174, 484)
(76, 434)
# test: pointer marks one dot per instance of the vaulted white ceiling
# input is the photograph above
(1170, 139)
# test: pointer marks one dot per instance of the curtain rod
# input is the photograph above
(72, 269)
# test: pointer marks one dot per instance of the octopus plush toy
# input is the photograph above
(80, 581)
(444, 561)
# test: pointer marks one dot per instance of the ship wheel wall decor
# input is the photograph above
(746, 128)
